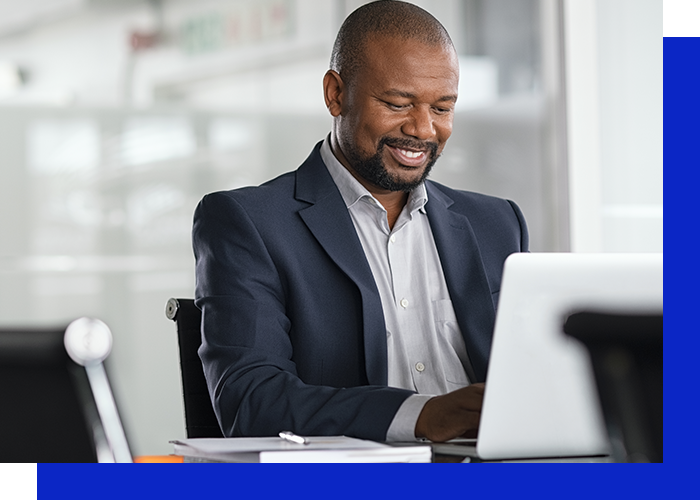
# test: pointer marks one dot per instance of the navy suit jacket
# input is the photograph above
(293, 334)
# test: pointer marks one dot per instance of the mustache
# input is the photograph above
(403, 143)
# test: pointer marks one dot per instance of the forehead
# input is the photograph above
(407, 65)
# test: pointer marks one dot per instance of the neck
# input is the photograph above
(392, 201)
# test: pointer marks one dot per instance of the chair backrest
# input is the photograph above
(627, 358)
(57, 404)
(200, 420)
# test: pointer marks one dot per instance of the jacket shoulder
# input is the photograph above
(267, 200)
(280, 192)
(485, 212)
(470, 199)
(272, 188)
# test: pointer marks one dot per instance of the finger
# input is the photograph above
(471, 434)
(468, 399)
(478, 387)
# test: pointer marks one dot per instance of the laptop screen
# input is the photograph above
(541, 398)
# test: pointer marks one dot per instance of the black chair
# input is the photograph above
(200, 420)
(56, 404)
(627, 358)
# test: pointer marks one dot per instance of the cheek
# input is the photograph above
(372, 130)
(443, 131)
(381, 121)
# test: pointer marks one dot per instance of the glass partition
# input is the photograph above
(132, 111)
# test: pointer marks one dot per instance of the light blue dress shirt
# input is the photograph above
(425, 347)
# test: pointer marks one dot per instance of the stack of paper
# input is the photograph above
(319, 449)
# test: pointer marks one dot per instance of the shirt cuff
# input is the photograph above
(403, 427)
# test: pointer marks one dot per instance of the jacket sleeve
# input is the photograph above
(246, 347)
(524, 235)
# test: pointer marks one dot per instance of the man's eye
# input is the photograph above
(443, 111)
(395, 106)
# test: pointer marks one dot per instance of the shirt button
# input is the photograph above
(393, 238)
(420, 367)
(388, 333)
(404, 303)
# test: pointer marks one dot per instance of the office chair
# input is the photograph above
(627, 359)
(57, 405)
(200, 420)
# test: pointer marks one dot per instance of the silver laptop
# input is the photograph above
(540, 398)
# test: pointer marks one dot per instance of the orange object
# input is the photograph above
(158, 459)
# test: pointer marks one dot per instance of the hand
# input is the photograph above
(452, 415)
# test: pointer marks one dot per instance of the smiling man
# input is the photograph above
(353, 296)
(393, 114)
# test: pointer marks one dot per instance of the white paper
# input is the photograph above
(318, 449)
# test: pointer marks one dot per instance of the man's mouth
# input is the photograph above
(408, 157)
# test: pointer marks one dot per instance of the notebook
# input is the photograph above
(336, 449)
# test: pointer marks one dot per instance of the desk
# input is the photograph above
(454, 453)
(437, 459)
(442, 453)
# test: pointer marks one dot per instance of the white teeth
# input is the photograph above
(411, 154)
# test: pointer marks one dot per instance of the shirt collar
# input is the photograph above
(352, 191)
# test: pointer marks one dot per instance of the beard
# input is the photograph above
(373, 169)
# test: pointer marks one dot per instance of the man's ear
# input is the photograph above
(333, 92)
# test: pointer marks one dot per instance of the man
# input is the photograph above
(352, 296)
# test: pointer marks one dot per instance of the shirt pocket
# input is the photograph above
(452, 350)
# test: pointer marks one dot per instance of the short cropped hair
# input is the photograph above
(389, 18)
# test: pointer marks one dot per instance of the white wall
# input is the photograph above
(614, 61)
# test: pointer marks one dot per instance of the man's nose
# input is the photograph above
(420, 124)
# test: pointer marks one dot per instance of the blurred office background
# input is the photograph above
(117, 116)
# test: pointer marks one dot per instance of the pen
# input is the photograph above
(293, 438)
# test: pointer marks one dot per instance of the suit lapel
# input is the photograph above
(465, 276)
(329, 221)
